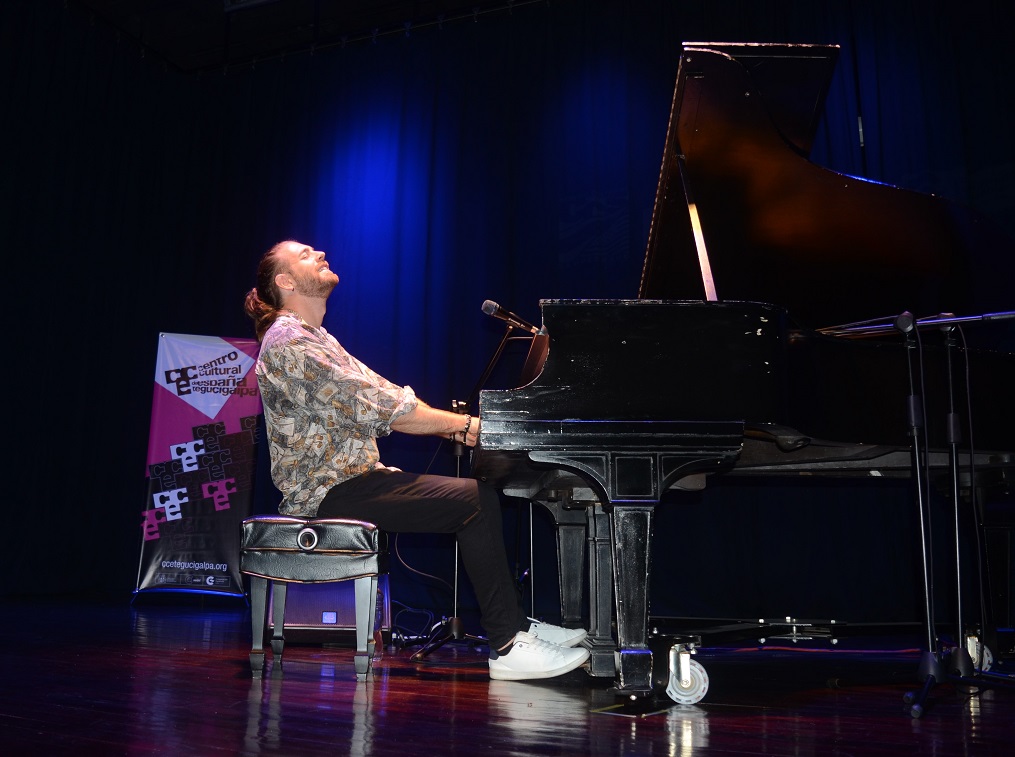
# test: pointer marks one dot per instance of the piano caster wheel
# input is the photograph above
(980, 654)
(696, 688)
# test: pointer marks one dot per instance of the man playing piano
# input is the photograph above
(324, 411)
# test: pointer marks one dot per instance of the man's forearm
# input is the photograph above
(426, 420)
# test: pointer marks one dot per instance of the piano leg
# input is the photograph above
(577, 523)
(570, 523)
(619, 554)
(602, 647)
(632, 537)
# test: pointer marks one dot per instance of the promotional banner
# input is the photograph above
(202, 454)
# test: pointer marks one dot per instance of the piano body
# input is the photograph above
(707, 371)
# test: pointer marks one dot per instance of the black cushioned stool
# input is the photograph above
(287, 550)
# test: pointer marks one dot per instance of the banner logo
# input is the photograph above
(205, 373)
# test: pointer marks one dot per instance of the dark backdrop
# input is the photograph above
(512, 158)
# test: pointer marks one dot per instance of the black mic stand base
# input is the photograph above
(449, 629)
(930, 673)
(979, 674)
(960, 663)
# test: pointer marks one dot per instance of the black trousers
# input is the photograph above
(397, 501)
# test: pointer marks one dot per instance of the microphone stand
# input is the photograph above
(963, 669)
(451, 628)
(961, 662)
(491, 363)
(930, 664)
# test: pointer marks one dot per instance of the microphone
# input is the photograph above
(492, 308)
(905, 322)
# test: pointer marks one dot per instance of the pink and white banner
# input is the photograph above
(202, 454)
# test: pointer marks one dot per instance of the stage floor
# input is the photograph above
(111, 678)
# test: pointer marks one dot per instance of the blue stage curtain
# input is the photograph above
(512, 158)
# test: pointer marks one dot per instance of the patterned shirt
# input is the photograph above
(323, 409)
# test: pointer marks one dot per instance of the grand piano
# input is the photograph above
(773, 334)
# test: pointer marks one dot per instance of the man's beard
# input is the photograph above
(315, 285)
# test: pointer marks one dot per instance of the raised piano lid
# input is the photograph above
(777, 228)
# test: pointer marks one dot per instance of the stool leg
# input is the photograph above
(366, 612)
(258, 601)
(278, 594)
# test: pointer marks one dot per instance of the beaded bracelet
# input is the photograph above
(464, 432)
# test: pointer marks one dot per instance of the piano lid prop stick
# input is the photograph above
(707, 280)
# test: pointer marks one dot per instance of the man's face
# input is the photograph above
(309, 270)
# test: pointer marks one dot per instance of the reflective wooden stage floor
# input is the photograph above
(109, 678)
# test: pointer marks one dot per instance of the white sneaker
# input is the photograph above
(562, 637)
(531, 657)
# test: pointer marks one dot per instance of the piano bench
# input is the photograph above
(285, 550)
